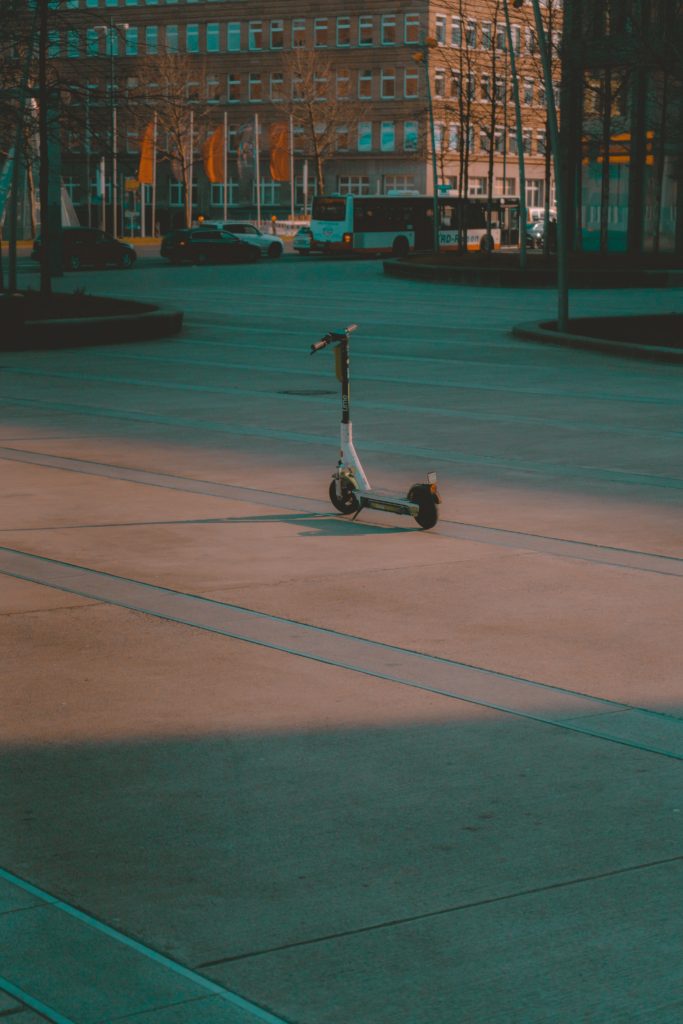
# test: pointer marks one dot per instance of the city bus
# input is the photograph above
(397, 225)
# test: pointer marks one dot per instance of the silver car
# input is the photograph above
(270, 245)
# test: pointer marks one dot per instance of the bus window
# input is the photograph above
(329, 209)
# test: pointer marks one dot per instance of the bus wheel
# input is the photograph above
(486, 244)
(401, 247)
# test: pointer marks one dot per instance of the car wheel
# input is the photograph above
(486, 244)
(401, 247)
(74, 262)
(274, 250)
(201, 259)
(126, 260)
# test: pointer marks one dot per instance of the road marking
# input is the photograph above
(641, 561)
(526, 698)
(204, 984)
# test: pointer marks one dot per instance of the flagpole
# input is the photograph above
(188, 198)
(257, 158)
(225, 165)
(154, 179)
(292, 184)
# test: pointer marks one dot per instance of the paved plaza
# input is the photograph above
(263, 763)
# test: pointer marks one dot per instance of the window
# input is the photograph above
(73, 48)
(343, 83)
(389, 34)
(298, 32)
(535, 192)
(151, 39)
(353, 185)
(172, 38)
(217, 193)
(500, 90)
(388, 84)
(192, 38)
(255, 35)
(486, 38)
(234, 88)
(411, 83)
(456, 32)
(53, 43)
(471, 34)
(320, 32)
(365, 85)
(343, 31)
(255, 87)
(440, 29)
(440, 83)
(192, 92)
(454, 137)
(234, 36)
(387, 137)
(320, 87)
(213, 37)
(92, 42)
(395, 183)
(529, 40)
(364, 136)
(297, 87)
(516, 38)
(365, 30)
(526, 140)
(528, 93)
(343, 142)
(277, 34)
(478, 186)
(501, 37)
(213, 90)
(277, 85)
(485, 87)
(455, 85)
(541, 144)
(411, 32)
(410, 136)
(131, 41)
(484, 141)
(132, 141)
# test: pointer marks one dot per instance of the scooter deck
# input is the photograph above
(387, 503)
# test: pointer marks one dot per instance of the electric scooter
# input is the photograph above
(350, 489)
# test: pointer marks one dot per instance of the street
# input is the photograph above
(289, 766)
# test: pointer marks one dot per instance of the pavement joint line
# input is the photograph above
(508, 694)
(601, 473)
(32, 1003)
(258, 1012)
(457, 414)
(457, 908)
(641, 561)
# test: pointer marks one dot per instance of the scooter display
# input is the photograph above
(350, 489)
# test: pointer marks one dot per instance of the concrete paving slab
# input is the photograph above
(605, 951)
(198, 1011)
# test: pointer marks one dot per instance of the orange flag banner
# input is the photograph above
(279, 152)
(146, 167)
(213, 156)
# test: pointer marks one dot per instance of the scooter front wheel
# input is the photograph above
(346, 502)
(428, 513)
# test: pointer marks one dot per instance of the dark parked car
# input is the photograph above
(90, 247)
(205, 245)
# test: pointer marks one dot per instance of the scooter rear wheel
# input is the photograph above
(347, 503)
(428, 513)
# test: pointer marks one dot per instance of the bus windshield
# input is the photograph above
(329, 209)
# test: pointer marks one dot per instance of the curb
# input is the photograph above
(513, 277)
(95, 330)
(544, 331)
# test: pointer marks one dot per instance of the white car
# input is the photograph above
(271, 245)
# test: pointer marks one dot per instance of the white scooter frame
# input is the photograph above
(350, 490)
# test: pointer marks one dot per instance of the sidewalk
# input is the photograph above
(262, 763)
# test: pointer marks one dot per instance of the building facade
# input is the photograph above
(349, 84)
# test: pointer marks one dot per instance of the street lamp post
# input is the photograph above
(423, 56)
(518, 133)
(562, 269)
(109, 36)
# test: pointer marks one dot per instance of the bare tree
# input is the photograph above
(317, 96)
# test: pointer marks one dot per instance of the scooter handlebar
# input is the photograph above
(331, 337)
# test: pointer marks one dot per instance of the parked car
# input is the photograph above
(534, 234)
(90, 247)
(270, 245)
(207, 245)
(302, 240)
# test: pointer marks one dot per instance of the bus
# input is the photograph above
(398, 225)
